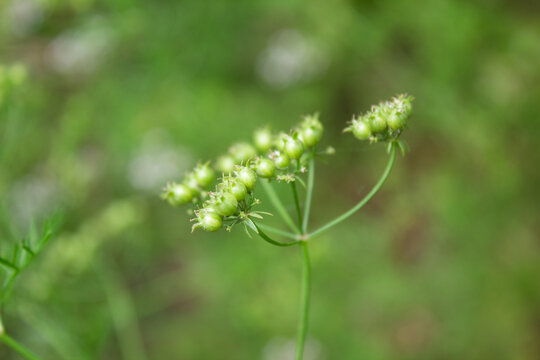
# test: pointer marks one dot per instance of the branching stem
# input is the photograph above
(278, 231)
(272, 241)
(364, 201)
(276, 202)
(297, 204)
(309, 193)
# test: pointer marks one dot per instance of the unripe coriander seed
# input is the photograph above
(179, 194)
(281, 140)
(377, 122)
(247, 177)
(281, 160)
(208, 221)
(242, 152)
(191, 182)
(311, 135)
(204, 175)
(265, 168)
(237, 189)
(225, 203)
(225, 164)
(360, 129)
(396, 122)
(294, 148)
(211, 222)
(210, 208)
(311, 130)
(263, 139)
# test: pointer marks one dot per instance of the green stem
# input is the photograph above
(276, 202)
(278, 231)
(272, 241)
(12, 343)
(365, 199)
(304, 303)
(56, 336)
(297, 204)
(309, 193)
(123, 315)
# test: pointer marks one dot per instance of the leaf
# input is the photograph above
(401, 146)
(8, 265)
(23, 256)
(16, 251)
(247, 231)
(389, 147)
(250, 223)
(25, 251)
(28, 250)
(31, 239)
(301, 182)
(51, 226)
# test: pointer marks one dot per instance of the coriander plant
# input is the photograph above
(22, 255)
(282, 158)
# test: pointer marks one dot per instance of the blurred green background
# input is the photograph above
(123, 95)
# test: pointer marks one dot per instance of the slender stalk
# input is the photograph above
(19, 348)
(304, 303)
(362, 202)
(278, 231)
(272, 241)
(53, 333)
(309, 193)
(297, 204)
(276, 202)
(124, 316)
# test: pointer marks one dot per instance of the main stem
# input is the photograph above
(304, 302)
(306, 267)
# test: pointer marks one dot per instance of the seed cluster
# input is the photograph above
(383, 122)
(279, 157)
(192, 188)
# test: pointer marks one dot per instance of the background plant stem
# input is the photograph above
(123, 315)
(12, 343)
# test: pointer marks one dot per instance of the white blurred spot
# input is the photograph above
(156, 162)
(81, 51)
(290, 58)
(22, 16)
(32, 197)
(285, 349)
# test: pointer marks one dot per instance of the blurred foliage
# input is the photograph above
(121, 95)
(23, 253)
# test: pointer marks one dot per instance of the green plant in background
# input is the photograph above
(11, 77)
(283, 158)
(23, 254)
